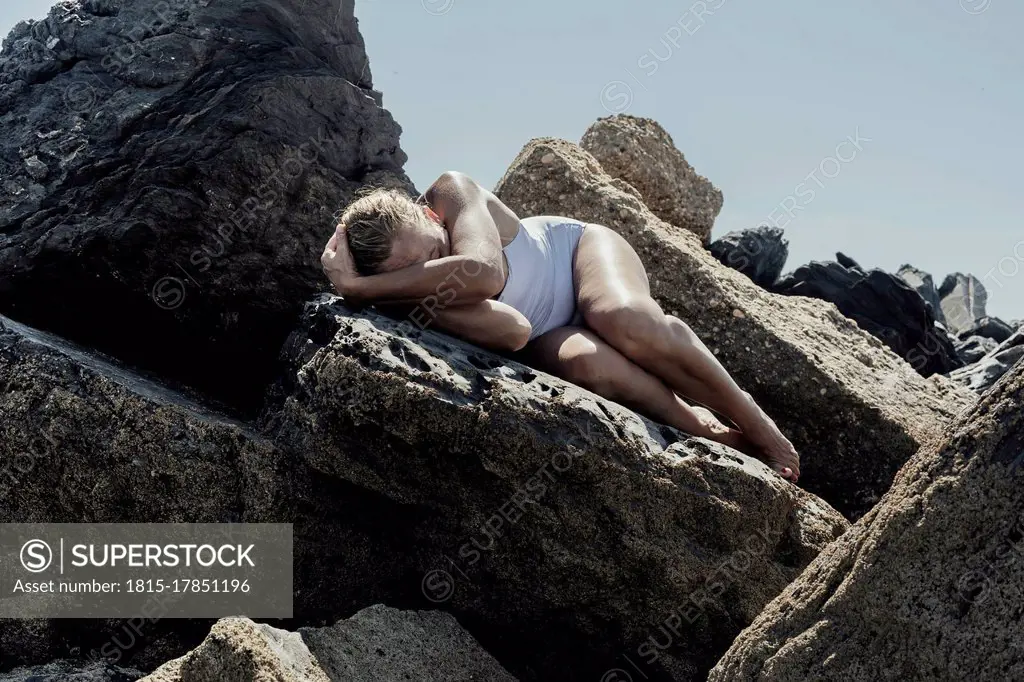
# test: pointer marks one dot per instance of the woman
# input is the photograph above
(574, 295)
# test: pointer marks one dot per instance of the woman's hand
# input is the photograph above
(339, 265)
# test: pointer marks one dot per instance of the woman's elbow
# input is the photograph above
(487, 280)
(520, 337)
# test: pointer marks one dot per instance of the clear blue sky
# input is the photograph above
(756, 95)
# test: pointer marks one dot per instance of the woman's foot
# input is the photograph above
(737, 440)
(775, 449)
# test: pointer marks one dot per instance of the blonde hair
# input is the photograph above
(371, 222)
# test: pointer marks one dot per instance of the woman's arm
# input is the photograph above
(488, 324)
(473, 272)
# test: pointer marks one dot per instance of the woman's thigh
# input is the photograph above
(607, 268)
(613, 294)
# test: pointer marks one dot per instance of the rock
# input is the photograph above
(927, 585)
(974, 348)
(854, 410)
(881, 304)
(980, 376)
(760, 253)
(563, 526)
(641, 152)
(990, 327)
(923, 283)
(963, 300)
(378, 643)
(847, 262)
(36, 168)
(71, 671)
(195, 152)
(84, 440)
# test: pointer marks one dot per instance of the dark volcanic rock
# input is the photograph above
(169, 174)
(852, 408)
(881, 304)
(561, 529)
(927, 585)
(989, 327)
(980, 376)
(378, 644)
(974, 348)
(83, 440)
(71, 671)
(847, 262)
(963, 299)
(923, 283)
(759, 253)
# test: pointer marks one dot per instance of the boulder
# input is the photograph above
(963, 299)
(881, 304)
(760, 253)
(71, 671)
(989, 327)
(923, 283)
(981, 375)
(854, 410)
(175, 165)
(847, 262)
(927, 585)
(378, 643)
(639, 151)
(974, 348)
(82, 440)
(561, 528)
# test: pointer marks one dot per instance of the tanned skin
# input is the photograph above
(629, 350)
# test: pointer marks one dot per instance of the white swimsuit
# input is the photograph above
(540, 271)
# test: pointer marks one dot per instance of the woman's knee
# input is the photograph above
(637, 327)
(587, 362)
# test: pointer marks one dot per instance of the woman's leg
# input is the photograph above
(580, 356)
(613, 295)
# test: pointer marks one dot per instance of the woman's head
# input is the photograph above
(387, 231)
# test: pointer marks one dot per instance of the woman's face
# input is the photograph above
(418, 242)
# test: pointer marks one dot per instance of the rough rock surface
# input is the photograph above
(963, 299)
(174, 166)
(854, 410)
(561, 519)
(71, 671)
(759, 253)
(377, 644)
(927, 585)
(120, 448)
(881, 304)
(974, 348)
(923, 284)
(641, 152)
(989, 327)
